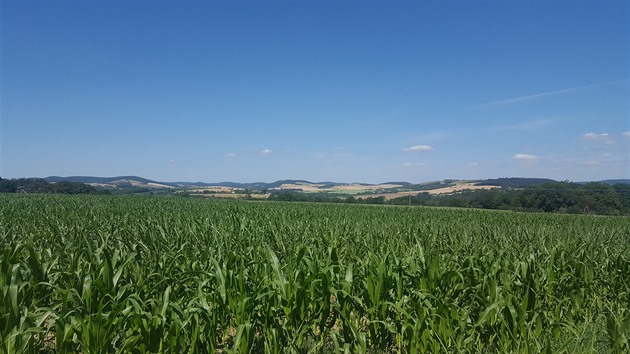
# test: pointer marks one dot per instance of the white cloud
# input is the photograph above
(230, 155)
(595, 136)
(266, 151)
(409, 164)
(474, 163)
(418, 148)
(525, 157)
(626, 134)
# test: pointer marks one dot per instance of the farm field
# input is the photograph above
(101, 274)
(347, 189)
(456, 187)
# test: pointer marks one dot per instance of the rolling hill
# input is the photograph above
(294, 185)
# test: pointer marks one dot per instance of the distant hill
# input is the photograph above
(514, 182)
(404, 184)
(91, 179)
(616, 181)
(112, 182)
(254, 185)
(140, 182)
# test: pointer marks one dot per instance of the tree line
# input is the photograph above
(559, 197)
(40, 185)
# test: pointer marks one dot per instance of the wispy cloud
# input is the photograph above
(252, 151)
(549, 93)
(230, 155)
(525, 157)
(339, 155)
(589, 163)
(626, 134)
(595, 136)
(418, 148)
(527, 125)
(409, 164)
(430, 137)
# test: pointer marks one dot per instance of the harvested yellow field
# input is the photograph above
(458, 187)
(215, 189)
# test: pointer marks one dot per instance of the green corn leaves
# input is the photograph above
(149, 275)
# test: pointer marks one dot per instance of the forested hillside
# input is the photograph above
(39, 185)
(564, 197)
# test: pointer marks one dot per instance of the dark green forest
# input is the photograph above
(39, 185)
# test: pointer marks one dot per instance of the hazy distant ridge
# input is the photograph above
(615, 181)
(120, 180)
(103, 180)
(513, 182)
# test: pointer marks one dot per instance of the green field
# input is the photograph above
(102, 274)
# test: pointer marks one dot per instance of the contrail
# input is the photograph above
(550, 93)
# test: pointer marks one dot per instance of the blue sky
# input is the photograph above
(345, 91)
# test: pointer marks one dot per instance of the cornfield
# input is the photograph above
(103, 274)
